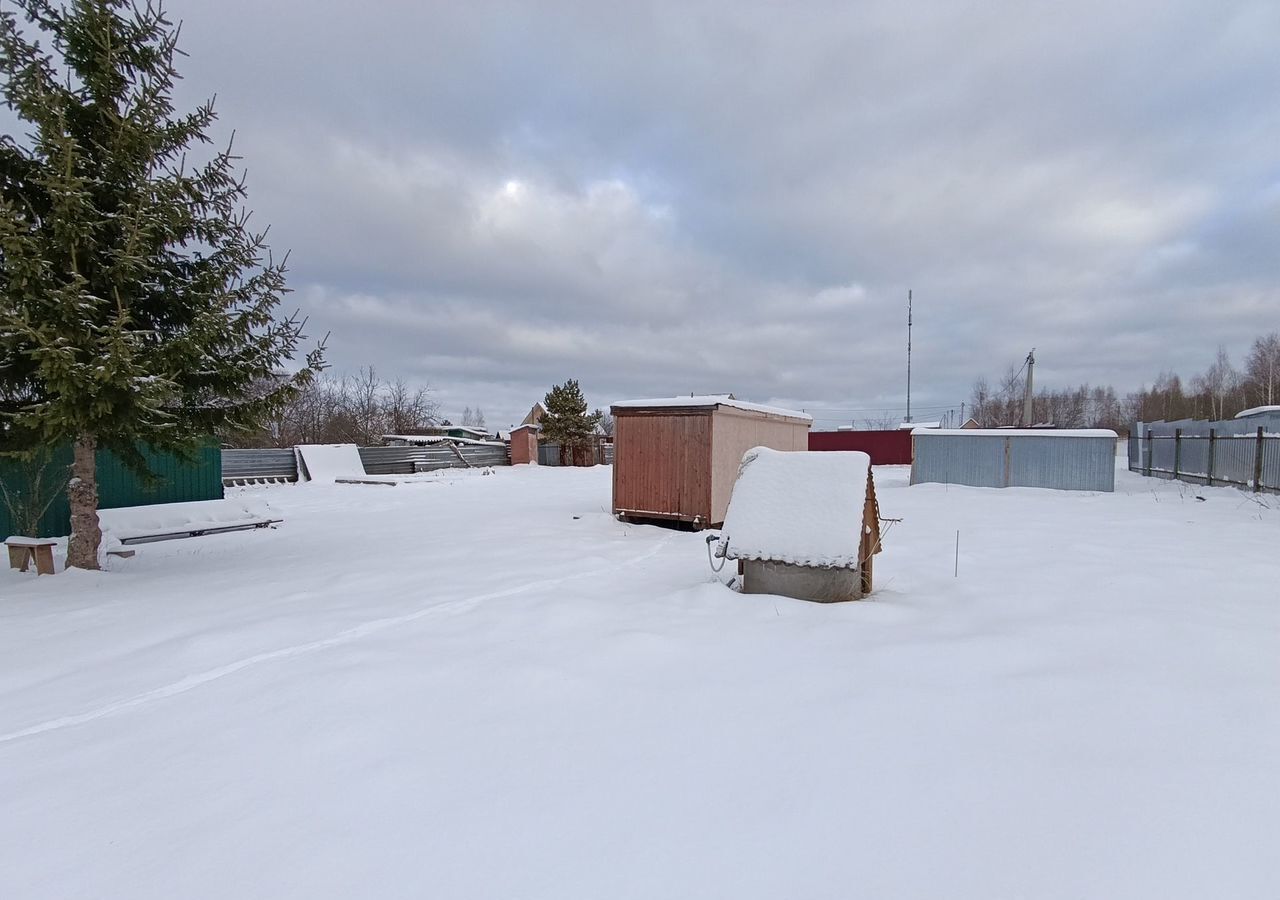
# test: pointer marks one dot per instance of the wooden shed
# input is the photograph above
(676, 459)
(803, 525)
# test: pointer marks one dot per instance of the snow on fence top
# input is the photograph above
(1257, 411)
(800, 508)
(1020, 432)
(711, 400)
(440, 439)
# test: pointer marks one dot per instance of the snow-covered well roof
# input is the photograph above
(1257, 411)
(797, 507)
(711, 400)
(1020, 432)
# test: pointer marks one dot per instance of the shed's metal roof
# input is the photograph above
(710, 401)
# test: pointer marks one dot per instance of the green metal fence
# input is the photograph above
(176, 480)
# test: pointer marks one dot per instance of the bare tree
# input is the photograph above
(1262, 370)
(605, 423)
(407, 409)
(1218, 383)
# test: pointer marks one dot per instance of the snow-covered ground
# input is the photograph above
(487, 688)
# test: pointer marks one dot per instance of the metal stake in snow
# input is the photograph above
(957, 572)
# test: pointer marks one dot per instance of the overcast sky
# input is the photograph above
(662, 198)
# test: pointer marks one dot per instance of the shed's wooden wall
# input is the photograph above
(733, 433)
(662, 465)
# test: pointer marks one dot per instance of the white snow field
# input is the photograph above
(488, 688)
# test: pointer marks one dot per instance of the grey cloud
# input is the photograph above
(737, 196)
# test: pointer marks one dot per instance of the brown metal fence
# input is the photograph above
(1249, 461)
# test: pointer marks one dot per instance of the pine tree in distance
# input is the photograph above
(566, 421)
(137, 305)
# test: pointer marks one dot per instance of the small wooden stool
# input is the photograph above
(22, 550)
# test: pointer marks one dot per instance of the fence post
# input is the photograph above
(1213, 447)
(1177, 452)
(1257, 463)
(1148, 466)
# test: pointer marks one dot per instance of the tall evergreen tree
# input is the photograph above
(566, 421)
(137, 304)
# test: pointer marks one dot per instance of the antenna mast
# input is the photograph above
(1028, 418)
(908, 418)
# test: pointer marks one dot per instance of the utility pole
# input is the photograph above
(908, 418)
(962, 418)
(1028, 418)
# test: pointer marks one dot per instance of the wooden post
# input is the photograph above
(1148, 465)
(1177, 452)
(1213, 449)
(1257, 463)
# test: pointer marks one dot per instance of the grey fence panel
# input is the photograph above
(548, 454)
(270, 463)
(1063, 463)
(1241, 460)
(1271, 463)
(405, 460)
(1162, 453)
(1233, 459)
(476, 456)
(243, 466)
(1269, 422)
(1193, 456)
(1058, 462)
(977, 460)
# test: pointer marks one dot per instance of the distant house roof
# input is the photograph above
(536, 412)
(711, 401)
(970, 423)
(800, 508)
(1257, 411)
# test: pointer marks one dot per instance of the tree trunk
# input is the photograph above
(82, 493)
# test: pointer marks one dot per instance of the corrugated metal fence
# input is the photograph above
(986, 459)
(549, 454)
(176, 480)
(402, 460)
(1249, 461)
(268, 464)
(265, 465)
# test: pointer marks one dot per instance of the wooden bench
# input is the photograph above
(24, 550)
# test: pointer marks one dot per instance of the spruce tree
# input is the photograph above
(566, 421)
(137, 305)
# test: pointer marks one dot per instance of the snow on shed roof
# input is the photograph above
(797, 507)
(1020, 432)
(711, 400)
(1257, 411)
